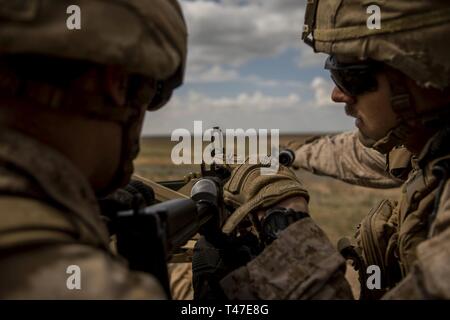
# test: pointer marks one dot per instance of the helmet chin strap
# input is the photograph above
(394, 137)
(403, 107)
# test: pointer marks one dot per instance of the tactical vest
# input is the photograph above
(389, 235)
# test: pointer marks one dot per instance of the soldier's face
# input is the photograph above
(125, 94)
(131, 132)
(372, 110)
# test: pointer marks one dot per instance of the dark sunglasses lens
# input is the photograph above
(356, 83)
(354, 79)
(340, 85)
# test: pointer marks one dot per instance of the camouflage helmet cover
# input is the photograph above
(147, 37)
(412, 37)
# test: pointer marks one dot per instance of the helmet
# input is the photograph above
(147, 38)
(144, 37)
(412, 39)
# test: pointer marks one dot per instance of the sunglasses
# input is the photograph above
(354, 79)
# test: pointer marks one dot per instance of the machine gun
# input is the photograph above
(148, 238)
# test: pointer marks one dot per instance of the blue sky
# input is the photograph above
(248, 68)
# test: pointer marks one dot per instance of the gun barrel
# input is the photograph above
(174, 221)
(161, 193)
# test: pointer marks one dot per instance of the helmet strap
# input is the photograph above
(403, 106)
(401, 100)
(395, 137)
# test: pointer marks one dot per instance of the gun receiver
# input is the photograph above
(147, 237)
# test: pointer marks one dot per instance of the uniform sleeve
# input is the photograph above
(180, 276)
(300, 264)
(343, 157)
(72, 271)
(429, 277)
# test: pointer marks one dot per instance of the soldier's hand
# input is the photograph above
(248, 191)
(136, 195)
(211, 262)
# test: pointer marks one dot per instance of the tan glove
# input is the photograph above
(248, 190)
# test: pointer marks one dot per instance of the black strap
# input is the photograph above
(277, 219)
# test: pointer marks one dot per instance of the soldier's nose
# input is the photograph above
(338, 96)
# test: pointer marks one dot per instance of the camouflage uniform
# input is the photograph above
(180, 274)
(408, 239)
(50, 221)
(308, 266)
(343, 157)
(50, 218)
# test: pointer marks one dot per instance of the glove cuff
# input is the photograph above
(267, 197)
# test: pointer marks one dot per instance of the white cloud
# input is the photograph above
(322, 91)
(309, 58)
(249, 102)
(233, 32)
(219, 74)
(225, 35)
(215, 73)
(273, 82)
(289, 113)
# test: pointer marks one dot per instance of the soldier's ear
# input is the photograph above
(116, 84)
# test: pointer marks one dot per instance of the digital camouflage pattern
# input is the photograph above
(342, 156)
(305, 253)
(301, 264)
